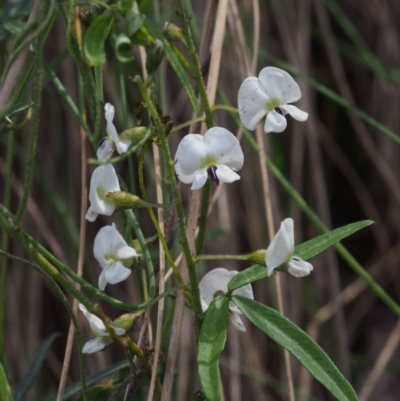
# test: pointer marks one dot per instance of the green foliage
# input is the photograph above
(307, 250)
(211, 343)
(319, 244)
(299, 344)
(18, 108)
(29, 379)
(5, 389)
(95, 37)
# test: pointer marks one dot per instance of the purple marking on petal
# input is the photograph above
(279, 110)
(296, 259)
(212, 174)
(102, 141)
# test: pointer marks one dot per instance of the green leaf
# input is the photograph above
(317, 245)
(211, 343)
(299, 344)
(123, 48)
(18, 108)
(34, 370)
(306, 251)
(253, 273)
(175, 64)
(5, 390)
(95, 37)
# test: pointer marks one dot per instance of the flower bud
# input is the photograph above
(135, 134)
(86, 16)
(258, 257)
(173, 33)
(155, 57)
(126, 200)
(126, 320)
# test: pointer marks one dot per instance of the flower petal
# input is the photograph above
(102, 280)
(96, 324)
(102, 245)
(237, 321)
(109, 114)
(225, 174)
(299, 268)
(275, 122)
(295, 112)
(222, 146)
(91, 215)
(119, 331)
(199, 180)
(279, 85)
(105, 149)
(96, 344)
(215, 280)
(118, 246)
(189, 156)
(252, 102)
(117, 273)
(104, 179)
(122, 145)
(281, 247)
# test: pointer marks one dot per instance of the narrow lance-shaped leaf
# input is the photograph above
(175, 64)
(299, 344)
(5, 390)
(95, 38)
(211, 343)
(311, 248)
(306, 251)
(34, 369)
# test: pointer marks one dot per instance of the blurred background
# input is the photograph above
(345, 55)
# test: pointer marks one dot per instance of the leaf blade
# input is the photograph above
(5, 389)
(313, 247)
(248, 276)
(211, 343)
(299, 344)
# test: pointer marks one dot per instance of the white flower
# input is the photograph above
(217, 154)
(269, 94)
(102, 338)
(104, 179)
(280, 252)
(216, 282)
(114, 256)
(106, 145)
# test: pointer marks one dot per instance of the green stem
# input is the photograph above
(346, 255)
(194, 62)
(153, 216)
(64, 300)
(223, 257)
(37, 89)
(205, 201)
(225, 107)
(177, 199)
(187, 124)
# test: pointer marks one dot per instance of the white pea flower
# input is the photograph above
(104, 179)
(217, 154)
(106, 145)
(102, 338)
(269, 94)
(114, 256)
(216, 282)
(280, 252)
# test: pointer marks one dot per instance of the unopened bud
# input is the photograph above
(126, 321)
(173, 33)
(155, 57)
(126, 200)
(86, 16)
(135, 134)
(258, 257)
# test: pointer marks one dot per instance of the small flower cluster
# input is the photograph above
(110, 249)
(218, 155)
